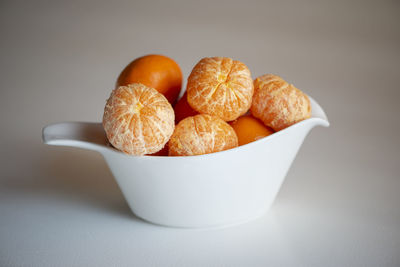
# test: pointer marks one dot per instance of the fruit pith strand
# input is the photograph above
(138, 119)
(201, 134)
(277, 103)
(220, 86)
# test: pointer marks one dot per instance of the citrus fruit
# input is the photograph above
(183, 109)
(277, 103)
(220, 86)
(249, 129)
(162, 152)
(138, 119)
(201, 134)
(155, 71)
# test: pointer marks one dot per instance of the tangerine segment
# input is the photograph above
(249, 129)
(221, 87)
(277, 103)
(183, 109)
(156, 71)
(201, 134)
(138, 119)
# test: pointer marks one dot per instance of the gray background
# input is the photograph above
(339, 205)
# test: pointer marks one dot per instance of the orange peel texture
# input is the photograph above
(220, 86)
(138, 120)
(277, 103)
(201, 134)
(249, 129)
(156, 71)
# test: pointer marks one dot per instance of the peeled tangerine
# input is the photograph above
(220, 86)
(277, 103)
(138, 120)
(201, 134)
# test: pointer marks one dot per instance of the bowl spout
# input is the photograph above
(318, 116)
(85, 135)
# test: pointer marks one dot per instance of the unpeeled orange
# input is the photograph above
(183, 109)
(249, 129)
(157, 71)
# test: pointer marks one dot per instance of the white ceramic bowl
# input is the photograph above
(218, 189)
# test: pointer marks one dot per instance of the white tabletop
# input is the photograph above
(339, 205)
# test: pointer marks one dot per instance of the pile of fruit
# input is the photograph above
(222, 107)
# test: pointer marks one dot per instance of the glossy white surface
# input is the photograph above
(213, 190)
(62, 207)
